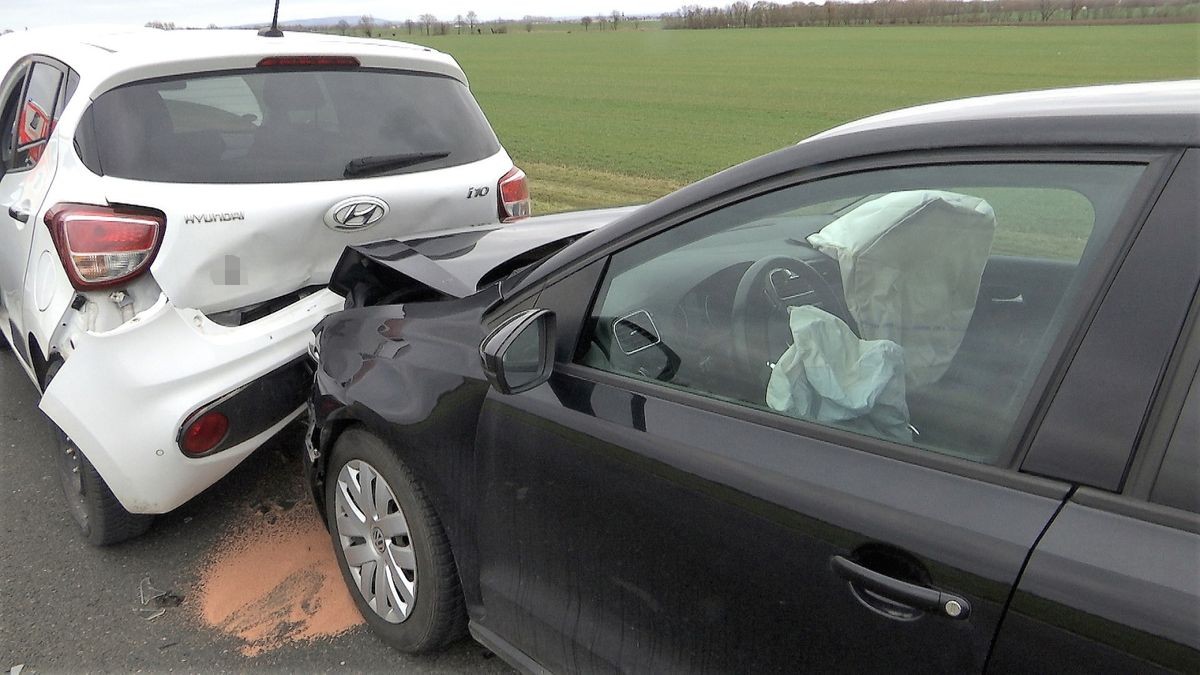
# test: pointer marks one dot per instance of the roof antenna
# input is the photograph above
(273, 31)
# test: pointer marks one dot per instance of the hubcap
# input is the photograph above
(374, 536)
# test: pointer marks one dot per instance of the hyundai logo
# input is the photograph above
(356, 213)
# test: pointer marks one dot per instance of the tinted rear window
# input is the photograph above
(280, 126)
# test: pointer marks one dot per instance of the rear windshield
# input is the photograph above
(282, 126)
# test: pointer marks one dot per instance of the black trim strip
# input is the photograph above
(1138, 509)
(256, 406)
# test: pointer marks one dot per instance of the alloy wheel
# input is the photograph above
(374, 536)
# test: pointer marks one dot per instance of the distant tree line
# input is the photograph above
(430, 24)
(889, 12)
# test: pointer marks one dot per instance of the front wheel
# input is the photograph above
(391, 548)
(100, 517)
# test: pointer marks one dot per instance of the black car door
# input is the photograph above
(1113, 585)
(655, 507)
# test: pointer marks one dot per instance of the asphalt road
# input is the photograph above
(67, 607)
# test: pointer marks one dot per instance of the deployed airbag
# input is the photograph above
(830, 375)
(911, 264)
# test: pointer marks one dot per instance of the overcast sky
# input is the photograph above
(18, 14)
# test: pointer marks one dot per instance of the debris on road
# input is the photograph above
(147, 591)
(150, 614)
(148, 594)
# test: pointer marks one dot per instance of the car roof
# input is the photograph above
(1178, 98)
(1160, 115)
(102, 54)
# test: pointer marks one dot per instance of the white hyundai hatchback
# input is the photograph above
(171, 207)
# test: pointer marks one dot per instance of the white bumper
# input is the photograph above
(123, 395)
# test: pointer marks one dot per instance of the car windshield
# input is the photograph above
(280, 126)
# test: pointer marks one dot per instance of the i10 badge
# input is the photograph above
(355, 213)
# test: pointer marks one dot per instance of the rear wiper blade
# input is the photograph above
(365, 166)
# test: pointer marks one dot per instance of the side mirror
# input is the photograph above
(519, 355)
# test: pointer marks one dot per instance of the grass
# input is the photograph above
(602, 117)
(560, 188)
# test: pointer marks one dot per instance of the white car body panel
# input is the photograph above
(162, 365)
(29, 190)
(127, 384)
(45, 276)
(283, 243)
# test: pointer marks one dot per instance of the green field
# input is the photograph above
(600, 118)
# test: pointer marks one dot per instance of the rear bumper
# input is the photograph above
(124, 395)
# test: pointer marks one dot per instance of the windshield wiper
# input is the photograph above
(366, 166)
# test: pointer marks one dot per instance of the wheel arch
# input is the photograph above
(335, 426)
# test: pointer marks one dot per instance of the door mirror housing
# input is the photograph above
(519, 355)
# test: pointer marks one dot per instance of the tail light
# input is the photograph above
(102, 246)
(204, 433)
(514, 196)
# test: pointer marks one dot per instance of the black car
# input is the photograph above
(918, 394)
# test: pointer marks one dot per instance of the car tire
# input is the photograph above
(406, 540)
(100, 517)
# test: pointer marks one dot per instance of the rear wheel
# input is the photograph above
(391, 548)
(100, 517)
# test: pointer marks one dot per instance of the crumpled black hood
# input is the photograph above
(458, 263)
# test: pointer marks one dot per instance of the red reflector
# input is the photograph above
(297, 61)
(514, 196)
(205, 433)
(103, 246)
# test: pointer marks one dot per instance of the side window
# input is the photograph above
(915, 305)
(35, 119)
(1178, 482)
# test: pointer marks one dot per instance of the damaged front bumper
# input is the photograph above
(124, 395)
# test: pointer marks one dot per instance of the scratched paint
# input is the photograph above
(273, 580)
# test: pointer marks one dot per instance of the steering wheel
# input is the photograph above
(778, 281)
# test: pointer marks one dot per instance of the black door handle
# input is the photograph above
(18, 214)
(919, 597)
